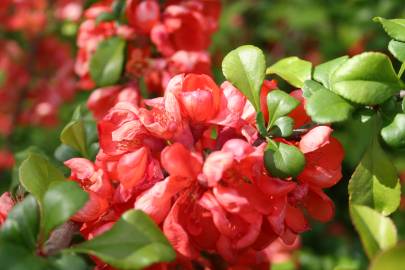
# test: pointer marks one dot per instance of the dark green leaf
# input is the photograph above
(395, 28)
(325, 106)
(74, 135)
(323, 72)
(368, 78)
(403, 104)
(105, 17)
(64, 152)
(106, 65)
(134, 242)
(285, 125)
(61, 201)
(394, 133)
(70, 262)
(392, 259)
(245, 68)
(377, 232)
(292, 69)
(284, 162)
(397, 49)
(17, 257)
(36, 174)
(279, 104)
(261, 124)
(22, 224)
(375, 182)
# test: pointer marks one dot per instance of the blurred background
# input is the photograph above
(39, 90)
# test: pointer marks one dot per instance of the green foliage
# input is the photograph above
(107, 63)
(285, 125)
(395, 28)
(397, 49)
(283, 160)
(392, 259)
(292, 69)
(134, 242)
(368, 79)
(323, 72)
(279, 104)
(377, 232)
(245, 67)
(324, 106)
(74, 136)
(394, 133)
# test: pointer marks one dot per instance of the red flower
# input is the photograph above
(143, 15)
(6, 204)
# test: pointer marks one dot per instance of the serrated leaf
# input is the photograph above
(377, 232)
(22, 224)
(394, 133)
(397, 49)
(323, 72)
(61, 201)
(292, 69)
(245, 68)
(392, 258)
(368, 78)
(286, 161)
(74, 135)
(395, 28)
(107, 63)
(134, 242)
(279, 104)
(325, 106)
(375, 183)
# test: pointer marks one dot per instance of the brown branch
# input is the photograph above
(60, 238)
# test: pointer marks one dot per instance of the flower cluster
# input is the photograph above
(193, 161)
(162, 39)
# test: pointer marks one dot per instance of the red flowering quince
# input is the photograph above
(6, 204)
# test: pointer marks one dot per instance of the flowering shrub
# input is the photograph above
(166, 169)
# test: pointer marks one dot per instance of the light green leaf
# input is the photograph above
(279, 104)
(397, 49)
(323, 72)
(245, 68)
(403, 104)
(392, 259)
(69, 262)
(310, 87)
(74, 135)
(394, 133)
(375, 183)
(325, 106)
(22, 224)
(368, 78)
(292, 69)
(286, 161)
(377, 232)
(134, 242)
(61, 201)
(107, 63)
(395, 28)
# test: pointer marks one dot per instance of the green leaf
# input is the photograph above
(22, 224)
(292, 69)
(325, 106)
(64, 152)
(392, 259)
(3, 77)
(285, 126)
(286, 161)
(310, 87)
(74, 135)
(368, 78)
(375, 183)
(403, 104)
(397, 49)
(134, 242)
(394, 133)
(69, 262)
(17, 257)
(107, 63)
(395, 28)
(61, 201)
(36, 174)
(245, 68)
(279, 104)
(105, 17)
(377, 232)
(323, 72)
(261, 124)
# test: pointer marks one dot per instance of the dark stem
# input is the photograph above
(60, 238)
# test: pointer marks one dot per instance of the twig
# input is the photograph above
(60, 238)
